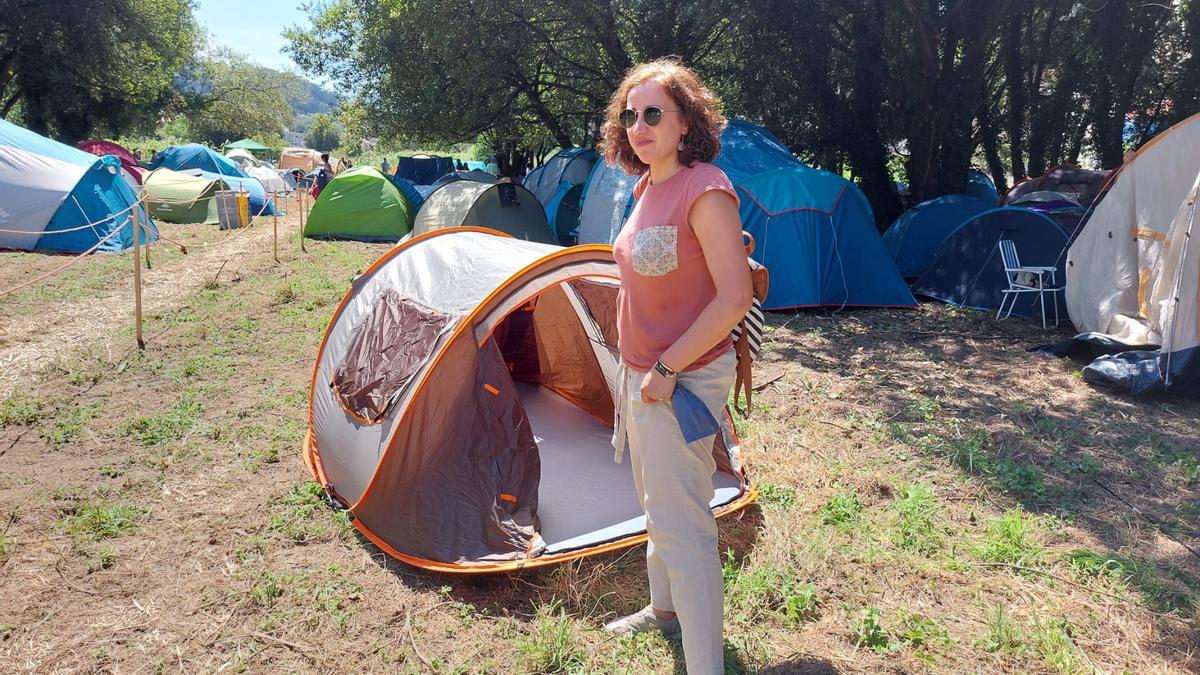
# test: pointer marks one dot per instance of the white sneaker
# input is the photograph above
(643, 621)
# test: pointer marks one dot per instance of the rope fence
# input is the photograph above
(150, 229)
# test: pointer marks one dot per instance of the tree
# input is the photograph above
(228, 98)
(69, 68)
(321, 134)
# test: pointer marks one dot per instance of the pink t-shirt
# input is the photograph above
(665, 283)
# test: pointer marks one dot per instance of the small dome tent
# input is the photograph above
(461, 408)
(570, 166)
(914, 239)
(177, 197)
(1080, 186)
(196, 156)
(815, 233)
(50, 193)
(100, 148)
(360, 203)
(968, 271)
(504, 207)
(423, 170)
(981, 186)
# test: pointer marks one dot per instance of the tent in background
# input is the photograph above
(360, 203)
(981, 186)
(510, 346)
(814, 232)
(1132, 271)
(415, 198)
(1080, 186)
(101, 148)
(968, 271)
(746, 150)
(299, 158)
(177, 197)
(423, 170)
(242, 158)
(270, 179)
(48, 187)
(914, 239)
(570, 166)
(196, 156)
(260, 202)
(248, 145)
(505, 207)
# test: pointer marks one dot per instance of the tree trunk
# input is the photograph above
(991, 148)
(1014, 76)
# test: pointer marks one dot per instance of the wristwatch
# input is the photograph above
(662, 369)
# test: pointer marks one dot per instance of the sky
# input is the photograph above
(252, 27)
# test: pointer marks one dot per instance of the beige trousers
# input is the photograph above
(674, 484)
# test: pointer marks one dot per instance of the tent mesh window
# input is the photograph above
(388, 348)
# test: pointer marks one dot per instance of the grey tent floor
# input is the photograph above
(585, 498)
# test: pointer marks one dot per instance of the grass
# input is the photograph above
(303, 515)
(548, 645)
(100, 521)
(172, 424)
(760, 591)
(1167, 590)
(1003, 635)
(842, 509)
(19, 411)
(1009, 540)
(67, 427)
(916, 510)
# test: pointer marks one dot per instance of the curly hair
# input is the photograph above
(699, 106)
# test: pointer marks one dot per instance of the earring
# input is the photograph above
(680, 146)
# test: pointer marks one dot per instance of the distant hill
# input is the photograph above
(311, 98)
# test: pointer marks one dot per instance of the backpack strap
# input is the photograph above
(747, 335)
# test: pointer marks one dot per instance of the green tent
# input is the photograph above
(360, 203)
(247, 144)
(177, 197)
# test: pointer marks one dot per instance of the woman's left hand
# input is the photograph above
(656, 387)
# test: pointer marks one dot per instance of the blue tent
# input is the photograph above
(914, 239)
(423, 170)
(746, 150)
(572, 166)
(563, 211)
(260, 203)
(981, 186)
(196, 156)
(47, 187)
(410, 191)
(816, 235)
(967, 270)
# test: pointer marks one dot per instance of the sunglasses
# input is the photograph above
(653, 115)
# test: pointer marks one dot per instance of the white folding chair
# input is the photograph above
(1026, 279)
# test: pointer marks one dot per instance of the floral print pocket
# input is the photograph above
(655, 251)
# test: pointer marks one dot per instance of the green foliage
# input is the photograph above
(1009, 540)
(304, 515)
(229, 98)
(100, 521)
(916, 509)
(1166, 590)
(322, 135)
(772, 495)
(549, 645)
(172, 424)
(1056, 643)
(103, 68)
(67, 425)
(869, 632)
(19, 411)
(4, 544)
(1003, 636)
(841, 509)
(757, 591)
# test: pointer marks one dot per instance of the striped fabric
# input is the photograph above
(754, 321)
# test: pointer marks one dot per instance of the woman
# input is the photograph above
(685, 283)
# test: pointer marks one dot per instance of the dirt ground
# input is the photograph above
(934, 498)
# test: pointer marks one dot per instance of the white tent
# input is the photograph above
(1132, 272)
(269, 178)
(242, 158)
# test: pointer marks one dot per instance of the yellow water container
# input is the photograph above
(243, 208)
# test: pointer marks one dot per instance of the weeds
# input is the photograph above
(1003, 636)
(303, 518)
(772, 495)
(1008, 540)
(869, 632)
(67, 427)
(1174, 591)
(174, 423)
(841, 509)
(769, 588)
(915, 531)
(100, 521)
(20, 412)
(549, 646)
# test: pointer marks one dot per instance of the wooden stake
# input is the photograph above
(303, 207)
(137, 275)
(275, 206)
